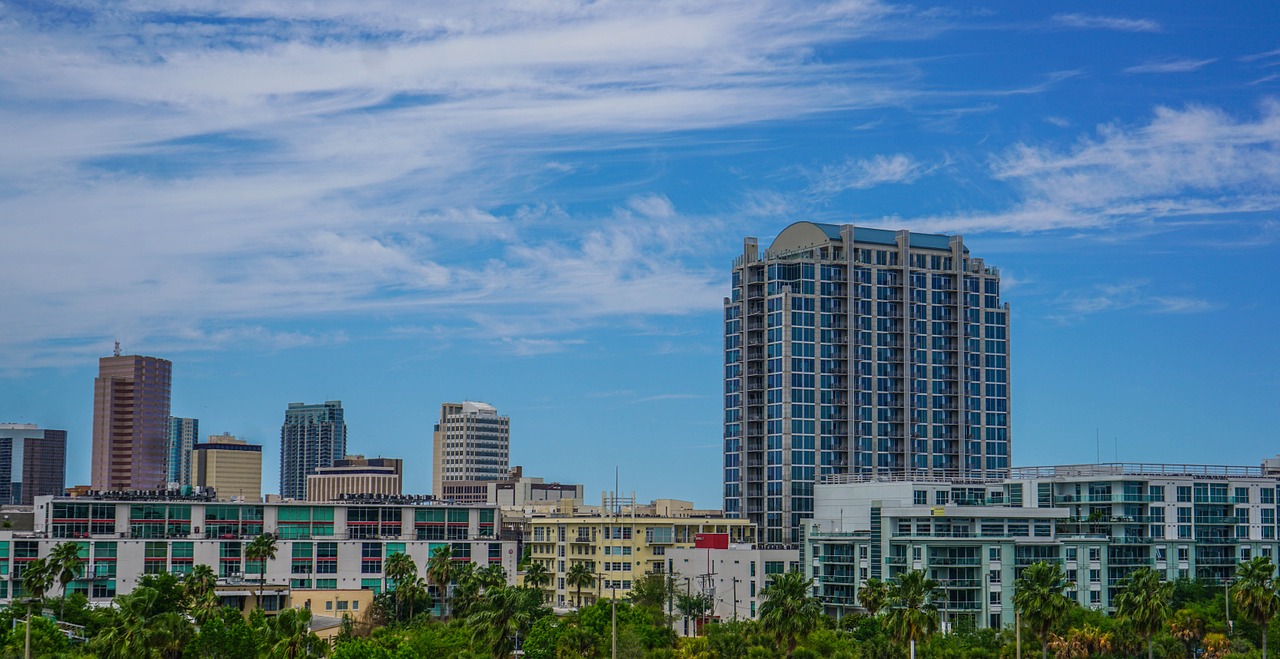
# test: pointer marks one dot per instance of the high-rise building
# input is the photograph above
(231, 466)
(471, 442)
(33, 462)
(312, 436)
(356, 475)
(859, 351)
(130, 422)
(182, 436)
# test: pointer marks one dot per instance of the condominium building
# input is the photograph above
(130, 422)
(312, 436)
(618, 548)
(33, 462)
(1099, 521)
(356, 475)
(231, 466)
(858, 351)
(470, 446)
(183, 435)
(320, 547)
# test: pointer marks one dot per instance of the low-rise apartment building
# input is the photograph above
(1099, 521)
(320, 546)
(618, 548)
(732, 576)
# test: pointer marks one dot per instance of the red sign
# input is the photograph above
(711, 540)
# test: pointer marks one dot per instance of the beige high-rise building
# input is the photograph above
(356, 475)
(130, 422)
(231, 466)
(471, 443)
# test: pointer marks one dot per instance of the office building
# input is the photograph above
(1101, 522)
(518, 491)
(356, 475)
(130, 422)
(183, 435)
(232, 467)
(858, 351)
(320, 547)
(312, 436)
(471, 443)
(33, 462)
(620, 542)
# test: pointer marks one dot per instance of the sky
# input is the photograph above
(536, 204)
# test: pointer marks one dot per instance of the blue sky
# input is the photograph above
(537, 204)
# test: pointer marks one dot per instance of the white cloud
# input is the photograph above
(1134, 295)
(856, 174)
(1094, 22)
(1191, 162)
(1171, 66)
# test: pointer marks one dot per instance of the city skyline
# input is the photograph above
(539, 209)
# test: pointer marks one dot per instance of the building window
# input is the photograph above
(1184, 494)
(921, 498)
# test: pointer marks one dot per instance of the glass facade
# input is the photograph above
(863, 352)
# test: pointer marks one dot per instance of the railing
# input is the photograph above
(1138, 469)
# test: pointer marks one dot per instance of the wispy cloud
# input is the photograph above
(660, 397)
(1135, 295)
(856, 174)
(1191, 162)
(1094, 22)
(1171, 66)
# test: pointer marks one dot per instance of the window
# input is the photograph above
(921, 498)
(1095, 576)
(1071, 553)
(1184, 554)
(1095, 554)
(1242, 495)
(1156, 493)
(1184, 494)
(1267, 495)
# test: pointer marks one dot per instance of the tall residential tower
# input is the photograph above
(33, 463)
(130, 422)
(471, 443)
(312, 436)
(862, 352)
(183, 434)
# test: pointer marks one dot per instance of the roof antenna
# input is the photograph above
(116, 352)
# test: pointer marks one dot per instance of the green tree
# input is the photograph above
(492, 576)
(789, 611)
(578, 577)
(1187, 626)
(402, 572)
(262, 548)
(199, 589)
(37, 579)
(225, 635)
(1254, 594)
(536, 575)
(288, 635)
(913, 610)
(873, 595)
(1039, 596)
(440, 571)
(143, 624)
(1144, 600)
(66, 562)
(503, 615)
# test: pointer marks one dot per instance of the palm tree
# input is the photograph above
(1144, 600)
(1187, 626)
(261, 548)
(492, 576)
(65, 561)
(536, 576)
(37, 579)
(1039, 597)
(1254, 594)
(789, 611)
(580, 576)
(502, 614)
(401, 570)
(440, 570)
(200, 589)
(872, 595)
(289, 636)
(913, 611)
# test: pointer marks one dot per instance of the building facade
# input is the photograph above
(733, 577)
(130, 422)
(470, 445)
(356, 475)
(312, 436)
(1100, 522)
(858, 351)
(183, 435)
(618, 549)
(320, 547)
(231, 466)
(33, 462)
